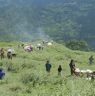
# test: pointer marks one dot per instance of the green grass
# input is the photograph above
(26, 75)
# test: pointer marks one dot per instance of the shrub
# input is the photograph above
(13, 68)
(77, 45)
(29, 77)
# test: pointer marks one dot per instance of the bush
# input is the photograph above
(13, 68)
(77, 45)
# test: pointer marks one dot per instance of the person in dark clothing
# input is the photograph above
(72, 67)
(22, 46)
(39, 47)
(2, 74)
(91, 60)
(93, 75)
(9, 55)
(48, 66)
(59, 70)
(2, 53)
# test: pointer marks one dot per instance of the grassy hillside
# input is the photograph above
(26, 75)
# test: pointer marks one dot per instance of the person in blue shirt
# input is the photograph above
(2, 73)
(48, 66)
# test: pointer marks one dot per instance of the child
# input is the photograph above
(59, 70)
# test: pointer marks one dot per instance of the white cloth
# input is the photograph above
(49, 44)
(77, 70)
(10, 50)
(89, 71)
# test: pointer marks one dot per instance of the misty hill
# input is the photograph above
(56, 19)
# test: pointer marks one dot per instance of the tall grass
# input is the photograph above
(26, 75)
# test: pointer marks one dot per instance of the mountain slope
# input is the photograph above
(61, 20)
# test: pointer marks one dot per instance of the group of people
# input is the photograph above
(48, 68)
(73, 69)
(10, 53)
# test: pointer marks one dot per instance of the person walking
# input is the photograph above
(91, 60)
(48, 67)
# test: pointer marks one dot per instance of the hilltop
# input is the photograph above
(26, 75)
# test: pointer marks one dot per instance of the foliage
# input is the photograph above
(77, 45)
(61, 20)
